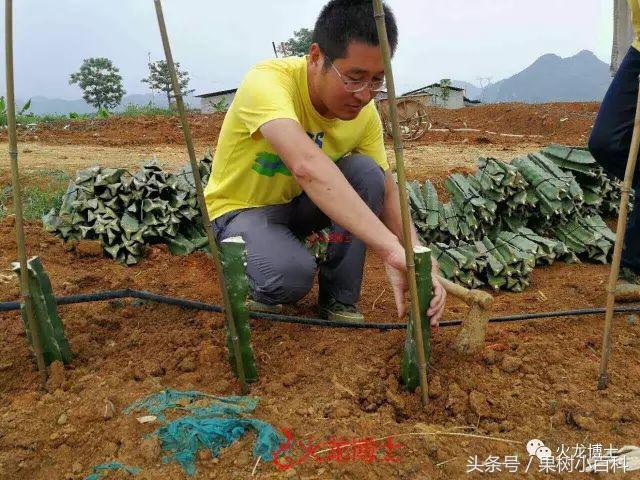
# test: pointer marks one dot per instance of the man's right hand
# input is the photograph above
(396, 267)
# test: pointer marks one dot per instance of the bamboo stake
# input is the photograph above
(17, 194)
(617, 250)
(231, 325)
(404, 203)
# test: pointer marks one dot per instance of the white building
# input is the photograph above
(216, 101)
(437, 95)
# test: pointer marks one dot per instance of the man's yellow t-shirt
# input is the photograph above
(246, 170)
(634, 6)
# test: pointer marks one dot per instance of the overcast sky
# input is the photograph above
(217, 41)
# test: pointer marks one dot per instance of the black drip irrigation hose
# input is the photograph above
(207, 307)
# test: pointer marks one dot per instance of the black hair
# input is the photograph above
(343, 21)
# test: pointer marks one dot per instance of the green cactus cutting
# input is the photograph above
(55, 346)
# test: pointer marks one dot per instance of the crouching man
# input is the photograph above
(301, 149)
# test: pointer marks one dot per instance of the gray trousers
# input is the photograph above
(280, 269)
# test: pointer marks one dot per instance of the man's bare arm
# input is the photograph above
(325, 185)
(393, 220)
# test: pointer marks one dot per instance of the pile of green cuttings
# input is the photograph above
(508, 217)
(491, 231)
(127, 210)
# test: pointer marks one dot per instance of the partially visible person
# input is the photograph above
(610, 140)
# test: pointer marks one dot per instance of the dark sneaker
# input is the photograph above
(628, 276)
(340, 312)
(628, 286)
(255, 306)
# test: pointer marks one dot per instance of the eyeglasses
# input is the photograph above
(355, 86)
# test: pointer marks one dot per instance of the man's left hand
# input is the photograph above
(398, 281)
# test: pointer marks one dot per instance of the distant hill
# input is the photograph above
(43, 105)
(470, 90)
(582, 77)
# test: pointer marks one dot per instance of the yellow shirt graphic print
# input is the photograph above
(247, 172)
(269, 164)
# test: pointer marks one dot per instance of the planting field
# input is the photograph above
(535, 379)
(566, 123)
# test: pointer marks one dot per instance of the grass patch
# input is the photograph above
(5, 194)
(33, 118)
(44, 190)
(54, 175)
(132, 110)
(37, 201)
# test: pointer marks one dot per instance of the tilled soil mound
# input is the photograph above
(535, 379)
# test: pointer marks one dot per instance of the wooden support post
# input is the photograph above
(231, 325)
(17, 193)
(404, 203)
(617, 249)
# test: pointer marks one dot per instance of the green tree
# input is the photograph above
(159, 79)
(297, 45)
(100, 82)
(445, 85)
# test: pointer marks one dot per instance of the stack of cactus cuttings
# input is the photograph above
(502, 183)
(531, 250)
(508, 223)
(542, 202)
(127, 211)
(416, 201)
(545, 250)
(461, 264)
(473, 207)
(612, 198)
(454, 224)
(425, 211)
(558, 193)
(601, 192)
(432, 205)
(577, 159)
(504, 262)
(438, 222)
(184, 176)
(508, 268)
(589, 175)
(588, 237)
(575, 192)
